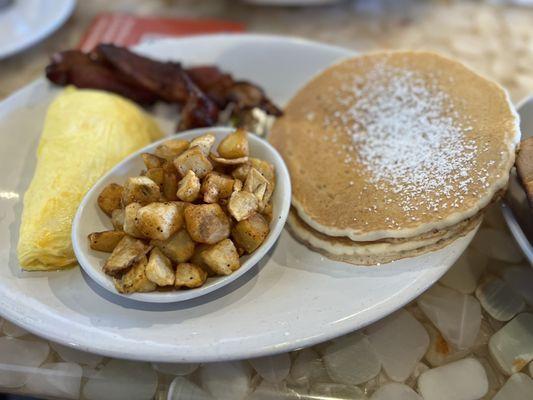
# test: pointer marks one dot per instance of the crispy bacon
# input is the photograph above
(76, 68)
(166, 79)
(201, 92)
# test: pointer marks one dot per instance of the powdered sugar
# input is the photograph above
(404, 130)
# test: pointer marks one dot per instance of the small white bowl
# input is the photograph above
(89, 218)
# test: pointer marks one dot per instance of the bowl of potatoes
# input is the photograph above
(183, 216)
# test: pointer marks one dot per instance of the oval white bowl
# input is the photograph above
(89, 218)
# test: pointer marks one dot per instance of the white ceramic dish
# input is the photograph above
(24, 23)
(516, 193)
(89, 218)
(293, 298)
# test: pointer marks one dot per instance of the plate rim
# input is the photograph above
(344, 326)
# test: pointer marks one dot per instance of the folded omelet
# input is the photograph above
(86, 133)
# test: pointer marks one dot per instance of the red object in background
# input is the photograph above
(127, 30)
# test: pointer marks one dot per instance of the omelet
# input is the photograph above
(86, 133)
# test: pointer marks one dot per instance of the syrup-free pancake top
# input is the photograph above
(396, 144)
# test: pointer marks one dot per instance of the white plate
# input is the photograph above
(293, 298)
(89, 218)
(26, 22)
(516, 195)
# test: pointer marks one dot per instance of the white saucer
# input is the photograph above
(24, 23)
(293, 298)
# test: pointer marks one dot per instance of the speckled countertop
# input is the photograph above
(470, 336)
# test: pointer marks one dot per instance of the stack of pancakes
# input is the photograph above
(394, 154)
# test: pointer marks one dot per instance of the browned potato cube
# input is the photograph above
(152, 161)
(170, 186)
(228, 161)
(257, 184)
(216, 186)
(105, 241)
(242, 205)
(157, 175)
(135, 280)
(241, 172)
(159, 220)
(193, 160)
(171, 148)
(237, 185)
(190, 275)
(207, 223)
(265, 168)
(204, 142)
(140, 189)
(189, 187)
(267, 211)
(159, 269)
(198, 260)
(117, 219)
(179, 247)
(222, 257)
(250, 233)
(127, 252)
(111, 198)
(130, 220)
(235, 145)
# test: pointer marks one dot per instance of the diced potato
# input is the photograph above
(265, 168)
(267, 211)
(237, 185)
(159, 269)
(235, 145)
(127, 252)
(159, 220)
(171, 148)
(157, 175)
(135, 280)
(130, 220)
(241, 172)
(250, 233)
(216, 186)
(242, 205)
(228, 161)
(193, 160)
(190, 275)
(168, 167)
(204, 142)
(207, 223)
(182, 205)
(170, 186)
(105, 241)
(140, 189)
(117, 219)
(198, 260)
(189, 187)
(179, 247)
(111, 198)
(222, 257)
(152, 161)
(257, 184)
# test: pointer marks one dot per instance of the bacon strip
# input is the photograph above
(201, 92)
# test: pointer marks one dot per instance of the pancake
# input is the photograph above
(395, 145)
(376, 252)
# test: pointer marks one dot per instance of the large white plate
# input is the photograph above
(24, 23)
(294, 298)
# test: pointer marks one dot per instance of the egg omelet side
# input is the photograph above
(86, 133)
